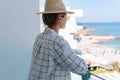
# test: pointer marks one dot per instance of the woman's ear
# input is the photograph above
(60, 18)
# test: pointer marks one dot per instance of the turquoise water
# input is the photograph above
(106, 29)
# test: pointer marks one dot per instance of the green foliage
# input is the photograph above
(115, 66)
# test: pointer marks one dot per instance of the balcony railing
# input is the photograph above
(96, 77)
(92, 77)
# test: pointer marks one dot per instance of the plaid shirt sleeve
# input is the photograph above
(66, 57)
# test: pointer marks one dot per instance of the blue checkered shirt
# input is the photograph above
(53, 58)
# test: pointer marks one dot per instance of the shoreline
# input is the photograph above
(96, 39)
(99, 51)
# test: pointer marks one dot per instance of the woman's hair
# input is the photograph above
(50, 19)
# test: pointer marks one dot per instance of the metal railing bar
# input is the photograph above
(97, 76)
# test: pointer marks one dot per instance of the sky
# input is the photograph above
(95, 10)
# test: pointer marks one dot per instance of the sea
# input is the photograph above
(106, 29)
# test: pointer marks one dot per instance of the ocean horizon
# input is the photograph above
(105, 29)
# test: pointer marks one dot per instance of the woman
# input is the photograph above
(52, 57)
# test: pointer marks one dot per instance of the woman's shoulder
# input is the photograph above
(59, 37)
(60, 40)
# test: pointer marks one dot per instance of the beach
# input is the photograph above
(88, 45)
(97, 54)
(110, 54)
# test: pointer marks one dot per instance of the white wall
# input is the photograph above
(19, 25)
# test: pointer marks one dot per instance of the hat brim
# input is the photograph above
(49, 12)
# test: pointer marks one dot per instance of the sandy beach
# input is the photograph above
(98, 54)
(95, 53)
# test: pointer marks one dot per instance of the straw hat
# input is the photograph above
(54, 6)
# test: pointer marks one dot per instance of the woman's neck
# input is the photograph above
(56, 28)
